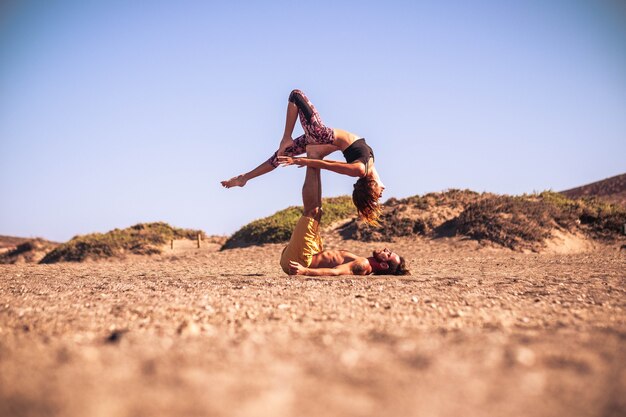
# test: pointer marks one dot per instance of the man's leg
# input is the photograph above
(312, 188)
(305, 240)
(310, 194)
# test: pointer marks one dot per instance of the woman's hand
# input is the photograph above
(289, 160)
(285, 142)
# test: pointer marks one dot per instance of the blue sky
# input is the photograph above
(116, 112)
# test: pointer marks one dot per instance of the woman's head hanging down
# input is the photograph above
(319, 140)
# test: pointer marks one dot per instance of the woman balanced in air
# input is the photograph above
(359, 156)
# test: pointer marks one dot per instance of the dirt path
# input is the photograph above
(471, 333)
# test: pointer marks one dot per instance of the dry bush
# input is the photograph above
(392, 225)
(516, 222)
(427, 215)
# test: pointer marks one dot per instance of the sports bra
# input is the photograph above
(359, 151)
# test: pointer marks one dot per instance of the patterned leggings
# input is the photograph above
(315, 133)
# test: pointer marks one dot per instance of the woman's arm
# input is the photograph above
(355, 169)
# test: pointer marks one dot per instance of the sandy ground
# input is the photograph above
(198, 332)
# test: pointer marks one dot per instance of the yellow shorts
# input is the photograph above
(304, 243)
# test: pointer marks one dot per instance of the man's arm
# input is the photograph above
(356, 267)
(355, 169)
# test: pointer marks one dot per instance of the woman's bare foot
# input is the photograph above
(285, 142)
(238, 181)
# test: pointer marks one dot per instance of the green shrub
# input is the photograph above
(603, 220)
(600, 219)
(277, 228)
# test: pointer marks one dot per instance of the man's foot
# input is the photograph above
(285, 142)
(238, 181)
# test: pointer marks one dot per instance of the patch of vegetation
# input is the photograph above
(515, 222)
(595, 216)
(277, 228)
(140, 239)
(426, 215)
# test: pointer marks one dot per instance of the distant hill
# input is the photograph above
(140, 239)
(611, 190)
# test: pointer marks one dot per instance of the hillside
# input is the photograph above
(593, 213)
(611, 190)
(521, 223)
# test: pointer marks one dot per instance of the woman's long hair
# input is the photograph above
(365, 199)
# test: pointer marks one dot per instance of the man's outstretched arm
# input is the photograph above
(351, 268)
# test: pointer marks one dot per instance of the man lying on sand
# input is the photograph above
(304, 254)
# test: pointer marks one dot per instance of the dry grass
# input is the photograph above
(516, 222)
